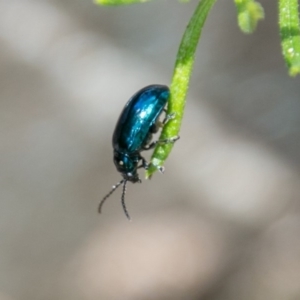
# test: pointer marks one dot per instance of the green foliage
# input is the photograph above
(290, 34)
(249, 13)
(180, 82)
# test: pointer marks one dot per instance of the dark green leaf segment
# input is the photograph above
(290, 34)
(180, 82)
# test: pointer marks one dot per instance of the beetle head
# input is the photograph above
(127, 166)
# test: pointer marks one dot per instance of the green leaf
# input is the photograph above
(180, 82)
(249, 13)
(290, 34)
(118, 2)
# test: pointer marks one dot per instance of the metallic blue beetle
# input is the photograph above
(133, 134)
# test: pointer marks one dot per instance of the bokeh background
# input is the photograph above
(222, 223)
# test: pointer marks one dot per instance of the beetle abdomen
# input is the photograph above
(138, 116)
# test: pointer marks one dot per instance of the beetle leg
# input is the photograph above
(155, 127)
(144, 164)
(158, 124)
(162, 142)
(168, 117)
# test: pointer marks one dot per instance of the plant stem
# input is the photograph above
(180, 82)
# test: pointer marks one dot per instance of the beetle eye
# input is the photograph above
(121, 163)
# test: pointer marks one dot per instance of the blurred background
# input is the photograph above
(222, 223)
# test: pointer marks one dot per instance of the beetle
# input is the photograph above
(133, 134)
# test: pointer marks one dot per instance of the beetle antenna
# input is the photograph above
(114, 187)
(123, 200)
